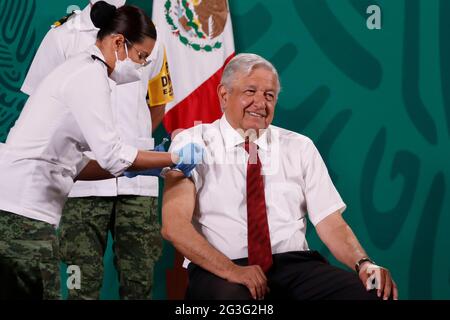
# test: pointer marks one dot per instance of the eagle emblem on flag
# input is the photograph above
(198, 24)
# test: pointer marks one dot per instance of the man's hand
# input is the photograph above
(156, 172)
(252, 277)
(376, 277)
(342, 242)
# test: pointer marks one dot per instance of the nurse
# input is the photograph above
(127, 207)
(68, 114)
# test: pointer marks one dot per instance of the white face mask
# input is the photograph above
(116, 3)
(126, 71)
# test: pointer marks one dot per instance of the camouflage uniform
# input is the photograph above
(29, 261)
(134, 224)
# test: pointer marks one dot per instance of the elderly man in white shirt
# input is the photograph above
(240, 220)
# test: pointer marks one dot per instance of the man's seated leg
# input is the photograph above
(307, 276)
(203, 285)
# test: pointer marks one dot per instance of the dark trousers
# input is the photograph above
(133, 222)
(302, 275)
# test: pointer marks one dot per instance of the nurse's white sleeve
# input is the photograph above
(49, 55)
(87, 95)
(322, 198)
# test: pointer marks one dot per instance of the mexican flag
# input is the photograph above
(198, 38)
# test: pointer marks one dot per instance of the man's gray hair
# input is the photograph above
(245, 63)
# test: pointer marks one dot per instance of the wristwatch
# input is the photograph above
(361, 261)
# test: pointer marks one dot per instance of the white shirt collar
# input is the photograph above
(94, 50)
(85, 20)
(264, 140)
(232, 138)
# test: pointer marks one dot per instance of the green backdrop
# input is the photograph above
(376, 103)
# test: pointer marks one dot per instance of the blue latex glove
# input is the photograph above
(190, 155)
(155, 172)
(160, 147)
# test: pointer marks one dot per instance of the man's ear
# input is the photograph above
(223, 95)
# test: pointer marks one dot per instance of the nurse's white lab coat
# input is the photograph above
(69, 113)
(130, 110)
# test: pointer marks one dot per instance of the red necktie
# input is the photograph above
(259, 249)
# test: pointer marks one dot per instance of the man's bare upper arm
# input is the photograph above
(178, 199)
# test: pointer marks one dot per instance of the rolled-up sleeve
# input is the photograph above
(179, 141)
(87, 95)
(322, 198)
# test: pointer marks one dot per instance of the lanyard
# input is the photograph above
(93, 56)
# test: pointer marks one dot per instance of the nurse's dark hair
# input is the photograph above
(130, 21)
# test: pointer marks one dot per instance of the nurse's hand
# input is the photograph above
(156, 172)
(189, 156)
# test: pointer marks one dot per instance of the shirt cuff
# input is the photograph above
(127, 156)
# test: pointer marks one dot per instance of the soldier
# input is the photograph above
(126, 207)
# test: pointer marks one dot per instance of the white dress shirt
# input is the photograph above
(296, 185)
(69, 113)
(130, 109)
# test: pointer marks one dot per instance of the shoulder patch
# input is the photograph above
(160, 90)
(63, 20)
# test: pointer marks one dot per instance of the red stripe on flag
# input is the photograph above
(201, 105)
